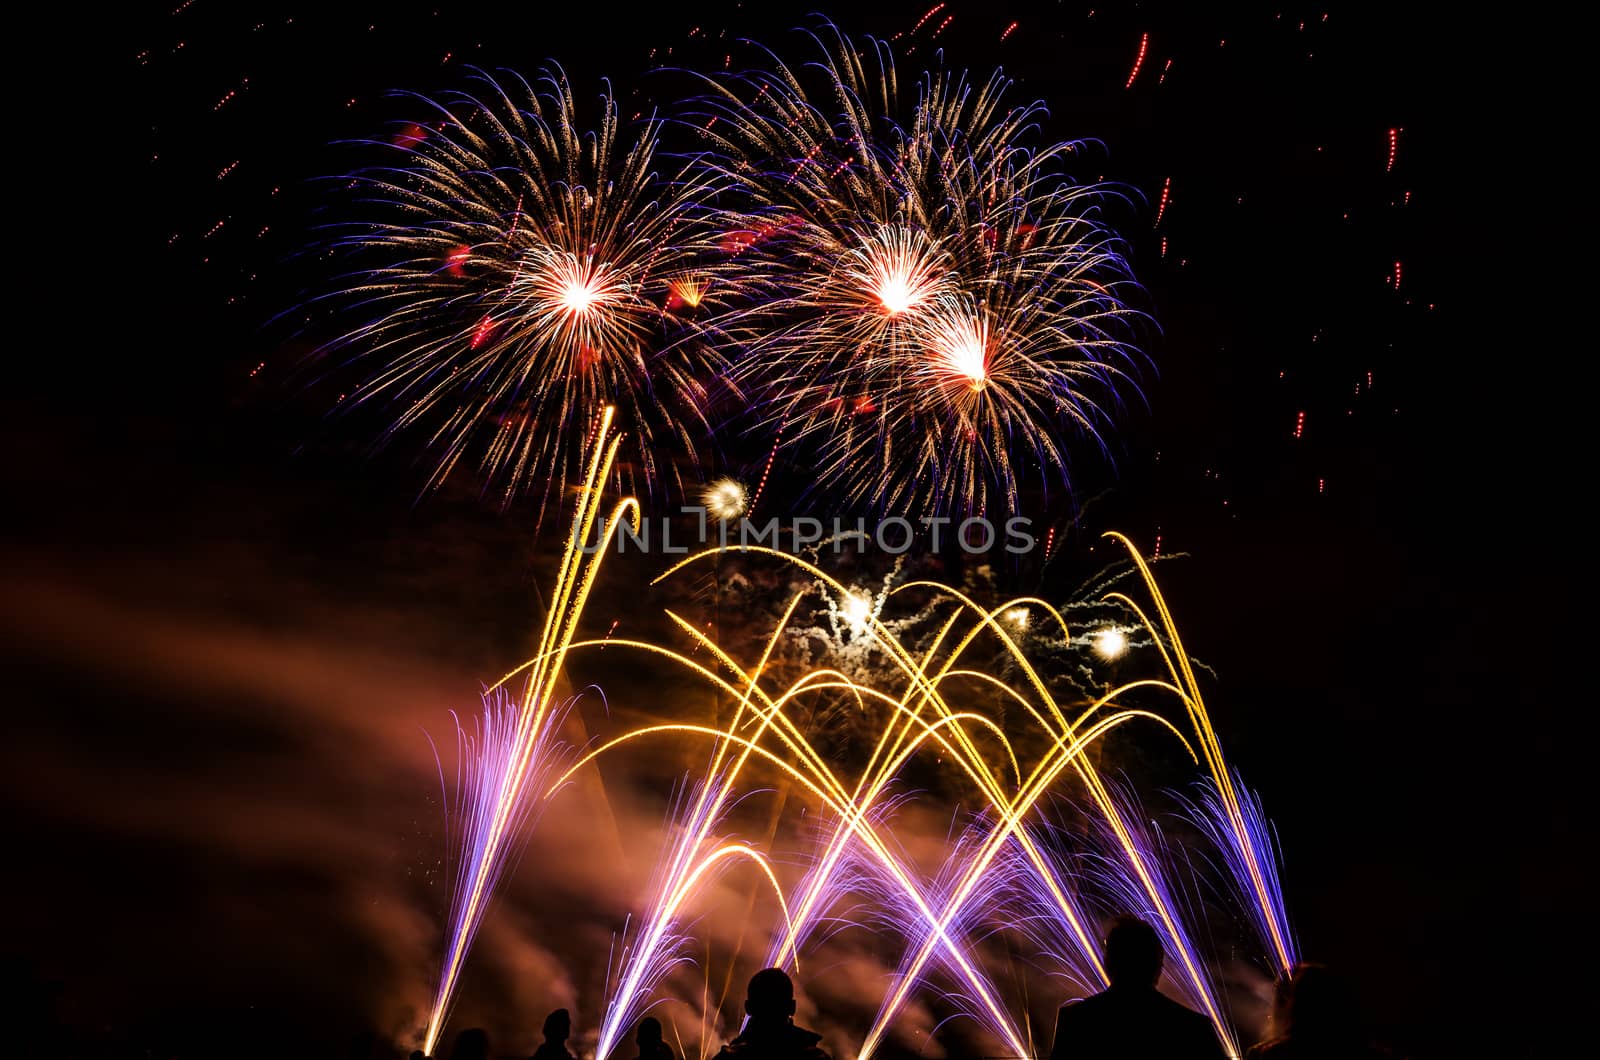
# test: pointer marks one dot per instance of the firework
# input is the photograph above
(937, 919)
(515, 275)
(932, 305)
(508, 773)
(726, 499)
(914, 696)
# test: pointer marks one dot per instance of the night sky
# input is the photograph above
(231, 627)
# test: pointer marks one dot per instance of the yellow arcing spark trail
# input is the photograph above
(1011, 813)
(1178, 665)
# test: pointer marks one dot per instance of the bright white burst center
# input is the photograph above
(857, 612)
(726, 499)
(967, 359)
(577, 297)
(1110, 643)
(958, 346)
(897, 294)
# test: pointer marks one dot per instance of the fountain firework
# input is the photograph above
(515, 752)
(923, 699)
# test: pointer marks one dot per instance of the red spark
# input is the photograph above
(1009, 30)
(1299, 424)
(1144, 45)
(1394, 143)
(1161, 207)
(765, 472)
(485, 326)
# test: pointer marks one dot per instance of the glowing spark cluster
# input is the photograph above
(726, 499)
(897, 267)
(958, 347)
(1110, 643)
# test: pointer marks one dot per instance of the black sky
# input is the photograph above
(1380, 598)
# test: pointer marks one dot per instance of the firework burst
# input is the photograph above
(936, 308)
(517, 274)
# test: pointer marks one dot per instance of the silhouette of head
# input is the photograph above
(418, 1054)
(558, 1026)
(471, 1044)
(1319, 1005)
(649, 1033)
(770, 997)
(1133, 953)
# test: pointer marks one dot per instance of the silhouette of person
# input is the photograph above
(648, 1039)
(769, 1032)
(557, 1029)
(1315, 1020)
(1130, 1019)
(471, 1044)
(418, 1054)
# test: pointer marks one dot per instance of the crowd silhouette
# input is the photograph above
(1131, 1018)
(1314, 1018)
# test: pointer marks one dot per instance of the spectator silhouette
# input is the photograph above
(557, 1029)
(769, 1032)
(1315, 1020)
(471, 1044)
(1130, 1019)
(648, 1039)
(418, 1054)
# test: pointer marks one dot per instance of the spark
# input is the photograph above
(1110, 643)
(688, 291)
(958, 344)
(899, 267)
(1138, 60)
(856, 608)
(726, 499)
